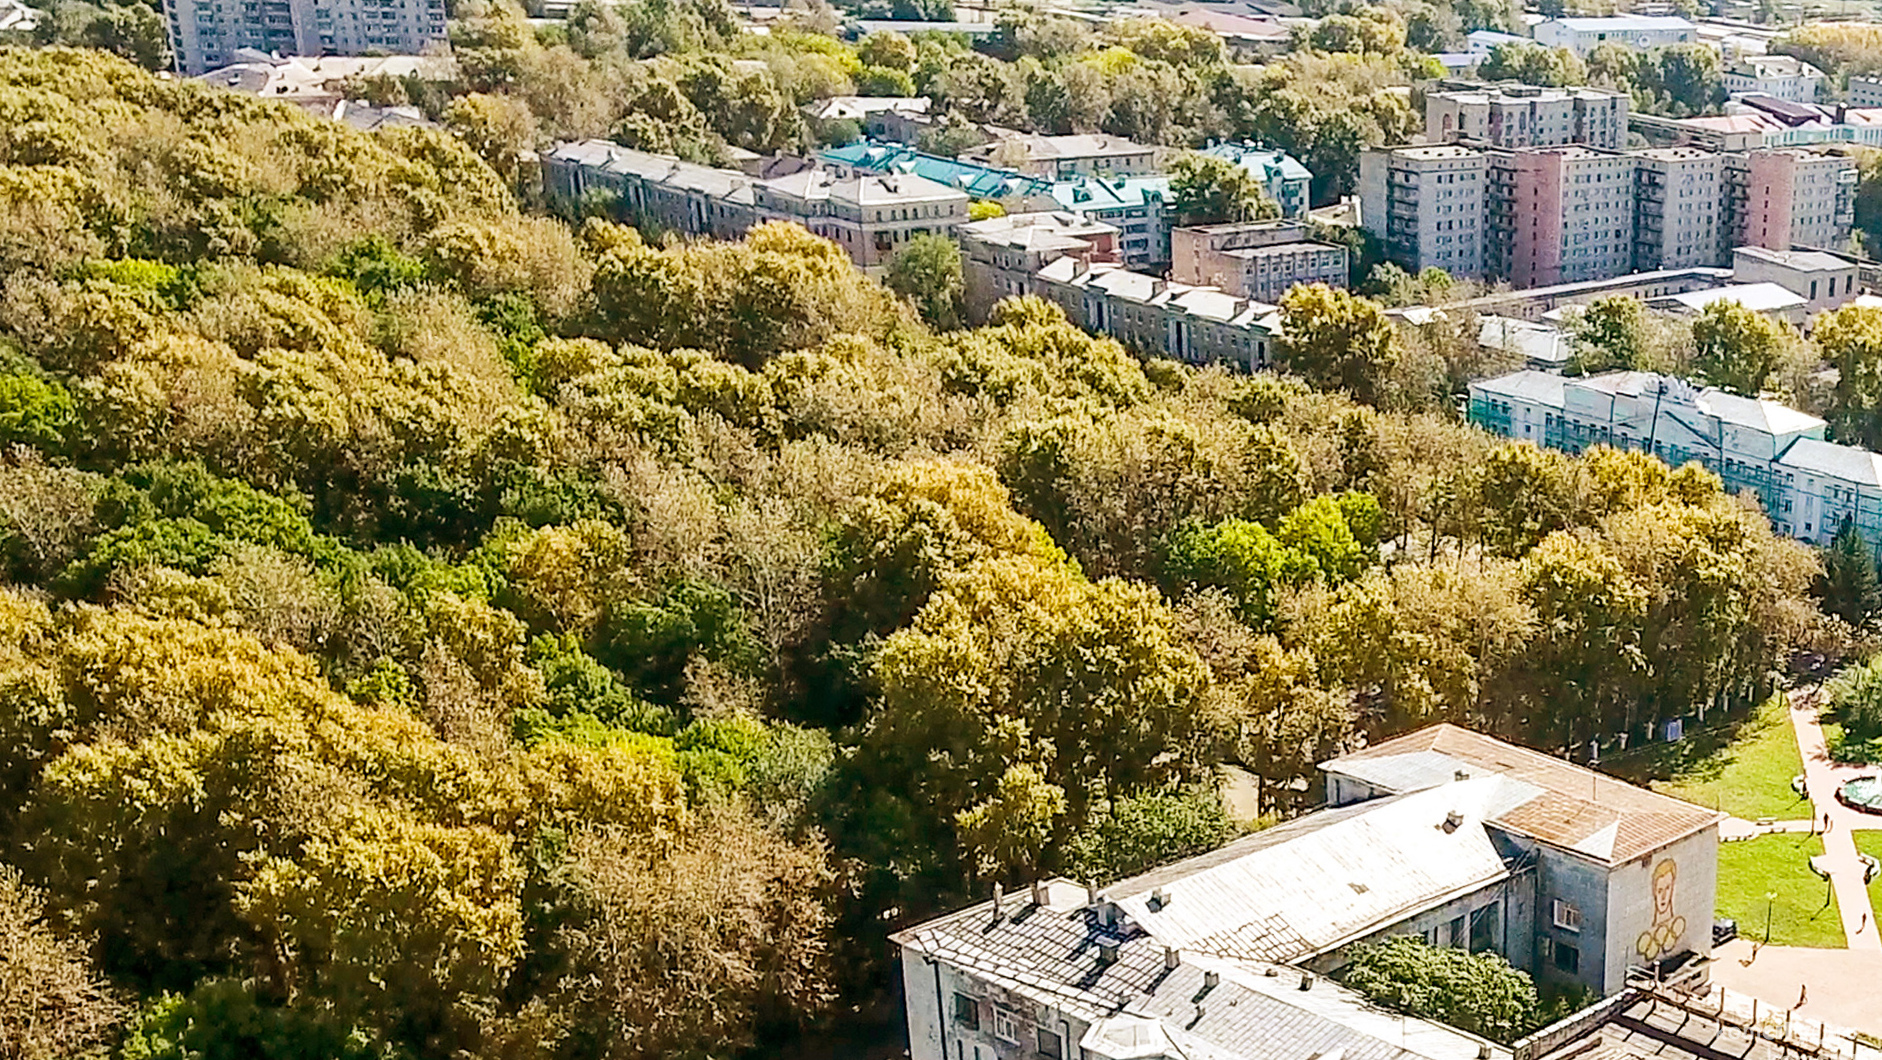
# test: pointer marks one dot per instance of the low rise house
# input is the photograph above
(1634, 32)
(1001, 256)
(1865, 91)
(1783, 77)
(1767, 298)
(319, 83)
(1013, 191)
(1286, 181)
(880, 117)
(1446, 834)
(1824, 280)
(1256, 259)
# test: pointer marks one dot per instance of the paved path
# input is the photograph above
(1821, 779)
(1843, 983)
(1738, 828)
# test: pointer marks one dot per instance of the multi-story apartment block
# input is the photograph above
(1286, 181)
(1637, 32)
(1782, 198)
(870, 215)
(1783, 77)
(205, 34)
(1525, 115)
(1865, 91)
(1138, 206)
(1064, 157)
(1260, 260)
(1001, 256)
(1559, 215)
(1426, 203)
(1807, 486)
(1444, 834)
(1677, 208)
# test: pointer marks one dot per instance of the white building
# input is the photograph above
(1426, 203)
(1525, 115)
(1825, 281)
(206, 34)
(1865, 91)
(1064, 157)
(1260, 259)
(1638, 32)
(1773, 301)
(1678, 208)
(1002, 256)
(318, 83)
(1463, 840)
(1807, 486)
(880, 117)
(1778, 76)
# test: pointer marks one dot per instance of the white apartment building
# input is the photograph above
(1560, 215)
(1426, 203)
(1807, 486)
(870, 215)
(205, 34)
(1824, 281)
(1065, 157)
(1638, 32)
(1525, 115)
(1001, 256)
(1778, 76)
(1782, 198)
(1260, 259)
(1677, 208)
(1865, 91)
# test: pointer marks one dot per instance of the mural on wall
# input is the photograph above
(1659, 940)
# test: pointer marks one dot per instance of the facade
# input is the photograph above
(1065, 157)
(1778, 76)
(1638, 32)
(870, 215)
(1865, 91)
(1259, 260)
(1677, 208)
(1426, 203)
(880, 117)
(1767, 298)
(1825, 281)
(1525, 115)
(1807, 486)
(1464, 840)
(1286, 181)
(1782, 198)
(1559, 215)
(1139, 207)
(1000, 256)
(206, 34)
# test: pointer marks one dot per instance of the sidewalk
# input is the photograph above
(1821, 779)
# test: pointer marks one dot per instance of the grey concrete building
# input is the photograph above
(1824, 281)
(1525, 115)
(1426, 203)
(1677, 208)
(206, 34)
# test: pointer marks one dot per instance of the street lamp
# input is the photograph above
(1769, 898)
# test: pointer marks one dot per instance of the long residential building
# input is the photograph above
(1809, 487)
(208, 34)
(1505, 115)
(1426, 204)
(1257, 259)
(870, 215)
(1634, 32)
(1064, 157)
(1443, 834)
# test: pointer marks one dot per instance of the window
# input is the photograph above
(966, 1012)
(1004, 1026)
(1455, 933)
(1566, 915)
(1050, 1046)
(1483, 927)
(1567, 958)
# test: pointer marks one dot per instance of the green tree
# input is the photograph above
(1851, 590)
(1338, 341)
(1855, 696)
(887, 49)
(1612, 333)
(1206, 190)
(53, 1002)
(1533, 65)
(1735, 348)
(1006, 834)
(1136, 833)
(927, 272)
(1850, 339)
(1478, 993)
(134, 31)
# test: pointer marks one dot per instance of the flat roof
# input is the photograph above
(1760, 297)
(1803, 260)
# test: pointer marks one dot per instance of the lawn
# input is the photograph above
(1780, 864)
(1870, 843)
(1750, 777)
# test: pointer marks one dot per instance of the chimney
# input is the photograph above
(1306, 980)
(999, 892)
(1461, 774)
(1039, 892)
(1172, 957)
(1453, 821)
(1159, 900)
(1211, 980)
(1091, 894)
(1107, 952)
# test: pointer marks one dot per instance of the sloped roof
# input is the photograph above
(1607, 819)
(1844, 462)
(1758, 414)
(1625, 23)
(1758, 297)
(1542, 388)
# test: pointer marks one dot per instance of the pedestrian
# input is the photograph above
(1802, 992)
(1864, 926)
(1826, 822)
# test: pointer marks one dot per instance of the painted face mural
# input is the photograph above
(1659, 940)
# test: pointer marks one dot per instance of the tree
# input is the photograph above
(1006, 834)
(53, 1002)
(927, 272)
(501, 130)
(1850, 587)
(887, 49)
(134, 31)
(1338, 341)
(1477, 993)
(1533, 65)
(1736, 349)
(1206, 190)
(1136, 833)
(1612, 333)
(1850, 339)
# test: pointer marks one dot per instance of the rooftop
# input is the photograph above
(979, 181)
(1102, 193)
(1802, 260)
(1759, 297)
(1077, 145)
(1845, 462)
(1051, 230)
(1625, 23)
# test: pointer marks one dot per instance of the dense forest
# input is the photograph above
(438, 631)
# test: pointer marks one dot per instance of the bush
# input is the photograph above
(1479, 993)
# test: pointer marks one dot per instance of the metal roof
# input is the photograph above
(1624, 23)
(1542, 388)
(1759, 297)
(1845, 462)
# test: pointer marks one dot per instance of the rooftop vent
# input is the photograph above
(1452, 822)
(998, 893)
(1211, 980)
(1172, 957)
(1159, 900)
(1040, 892)
(1462, 774)
(1306, 980)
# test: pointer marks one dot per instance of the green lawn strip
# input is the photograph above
(1751, 776)
(1779, 864)
(1870, 843)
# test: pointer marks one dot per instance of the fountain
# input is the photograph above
(1862, 793)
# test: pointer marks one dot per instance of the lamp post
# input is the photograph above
(1769, 898)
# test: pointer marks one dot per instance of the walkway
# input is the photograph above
(1842, 983)
(1821, 779)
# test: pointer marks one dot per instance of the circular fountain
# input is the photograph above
(1862, 793)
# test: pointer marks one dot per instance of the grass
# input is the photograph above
(1750, 777)
(1870, 843)
(1779, 864)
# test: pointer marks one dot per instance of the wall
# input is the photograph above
(928, 1015)
(1768, 205)
(1655, 912)
(1584, 884)
(1537, 238)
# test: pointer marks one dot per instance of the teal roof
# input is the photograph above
(981, 182)
(1109, 193)
(1266, 163)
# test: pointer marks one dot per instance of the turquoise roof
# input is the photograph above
(1269, 164)
(981, 182)
(1109, 193)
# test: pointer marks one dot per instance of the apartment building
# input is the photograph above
(1782, 198)
(1559, 215)
(1677, 208)
(206, 34)
(1445, 834)
(870, 215)
(1636, 32)
(1824, 281)
(1286, 181)
(1426, 203)
(1783, 77)
(1064, 157)
(1138, 206)
(1525, 115)
(1260, 259)
(1001, 256)
(1865, 91)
